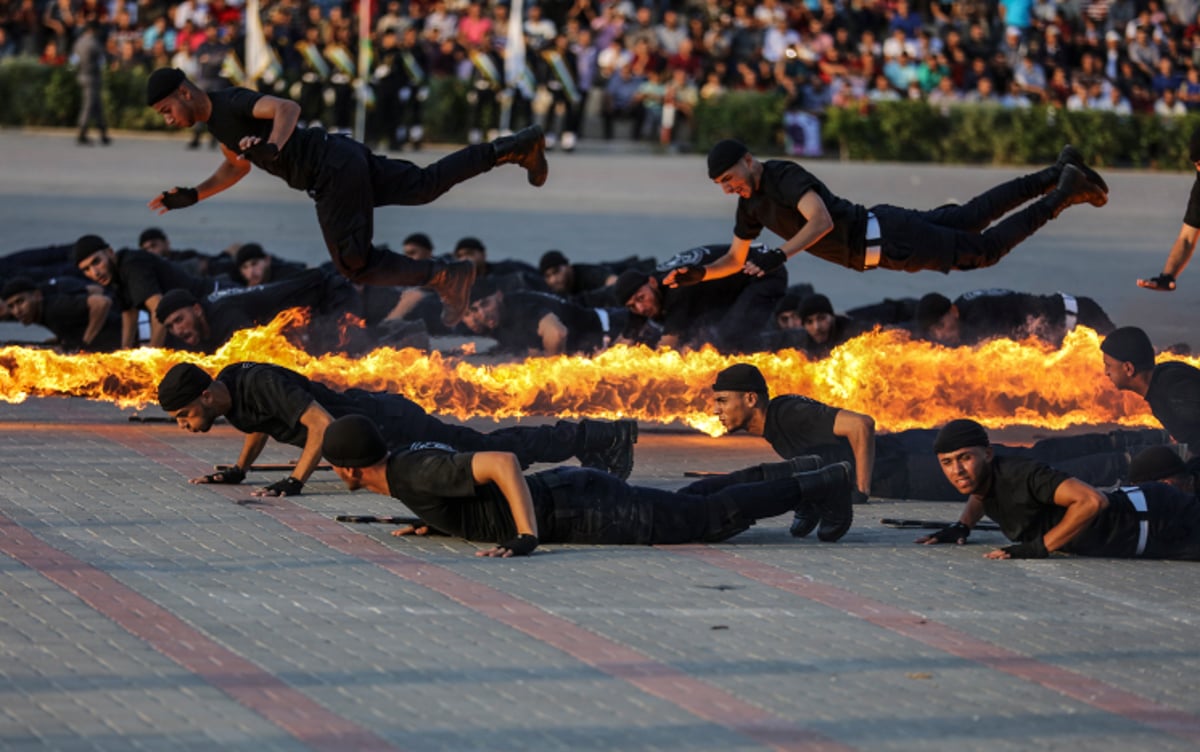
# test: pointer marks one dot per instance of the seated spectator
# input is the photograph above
(679, 106)
(621, 102)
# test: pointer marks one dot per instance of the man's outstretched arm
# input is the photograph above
(1177, 260)
(503, 469)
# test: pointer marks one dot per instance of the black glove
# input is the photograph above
(951, 533)
(522, 545)
(232, 476)
(180, 198)
(1164, 282)
(769, 260)
(1034, 549)
(686, 276)
(263, 151)
(289, 486)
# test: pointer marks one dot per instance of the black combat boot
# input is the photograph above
(1071, 156)
(827, 493)
(805, 519)
(452, 281)
(526, 147)
(1073, 188)
(805, 463)
(608, 446)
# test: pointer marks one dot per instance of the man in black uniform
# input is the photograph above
(204, 324)
(1185, 243)
(137, 280)
(981, 315)
(345, 179)
(727, 313)
(823, 328)
(1172, 389)
(894, 465)
(586, 284)
(80, 316)
(257, 267)
(1162, 464)
(1044, 510)
(483, 496)
(527, 322)
(791, 202)
(510, 274)
(154, 240)
(266, 401)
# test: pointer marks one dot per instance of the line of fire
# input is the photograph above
(901, 382)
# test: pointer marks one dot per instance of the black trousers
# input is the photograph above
(91, 109)
(580, 505)
(403, 423)
(958, 237)
(1172, 526)
(39, 264)
(352, 181)
(907, 468)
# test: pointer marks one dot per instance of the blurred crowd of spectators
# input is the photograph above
(651, 63)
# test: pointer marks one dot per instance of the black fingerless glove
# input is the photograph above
(951, 533)
(263, 151)
(686, 276)
(1162, 282)
(232, 476)
(522, 545)
(1034, 549)
(180, 198)
(769, 260)
(289, 486)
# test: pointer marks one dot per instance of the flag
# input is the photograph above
(514, 50)
(260, 58)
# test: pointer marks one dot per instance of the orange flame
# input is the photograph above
(902, 383)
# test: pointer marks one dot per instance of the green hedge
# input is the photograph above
(32, 94)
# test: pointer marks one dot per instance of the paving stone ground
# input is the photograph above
(141, 612)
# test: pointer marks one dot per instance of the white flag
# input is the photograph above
(514, 51)
(258, 55)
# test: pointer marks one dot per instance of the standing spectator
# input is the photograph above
(89, 62)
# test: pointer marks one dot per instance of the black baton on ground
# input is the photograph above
(269, 467)
(932, 524)
(369, 518)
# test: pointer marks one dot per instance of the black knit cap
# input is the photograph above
(552, 260)
(483, 287)
(740, 377)
(419, 238)
(930, 309)
(1194, 145)
(1129, 344)
(628, 283)
(86, 246)
(353, 441)
(789, 302)
(1155, 463)
(172, 301)
(16, 286)
(249, 252)
(960, 434)
(725, 155)
(182, 386)
(163, 83)
(816, 303)
(151, 233)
